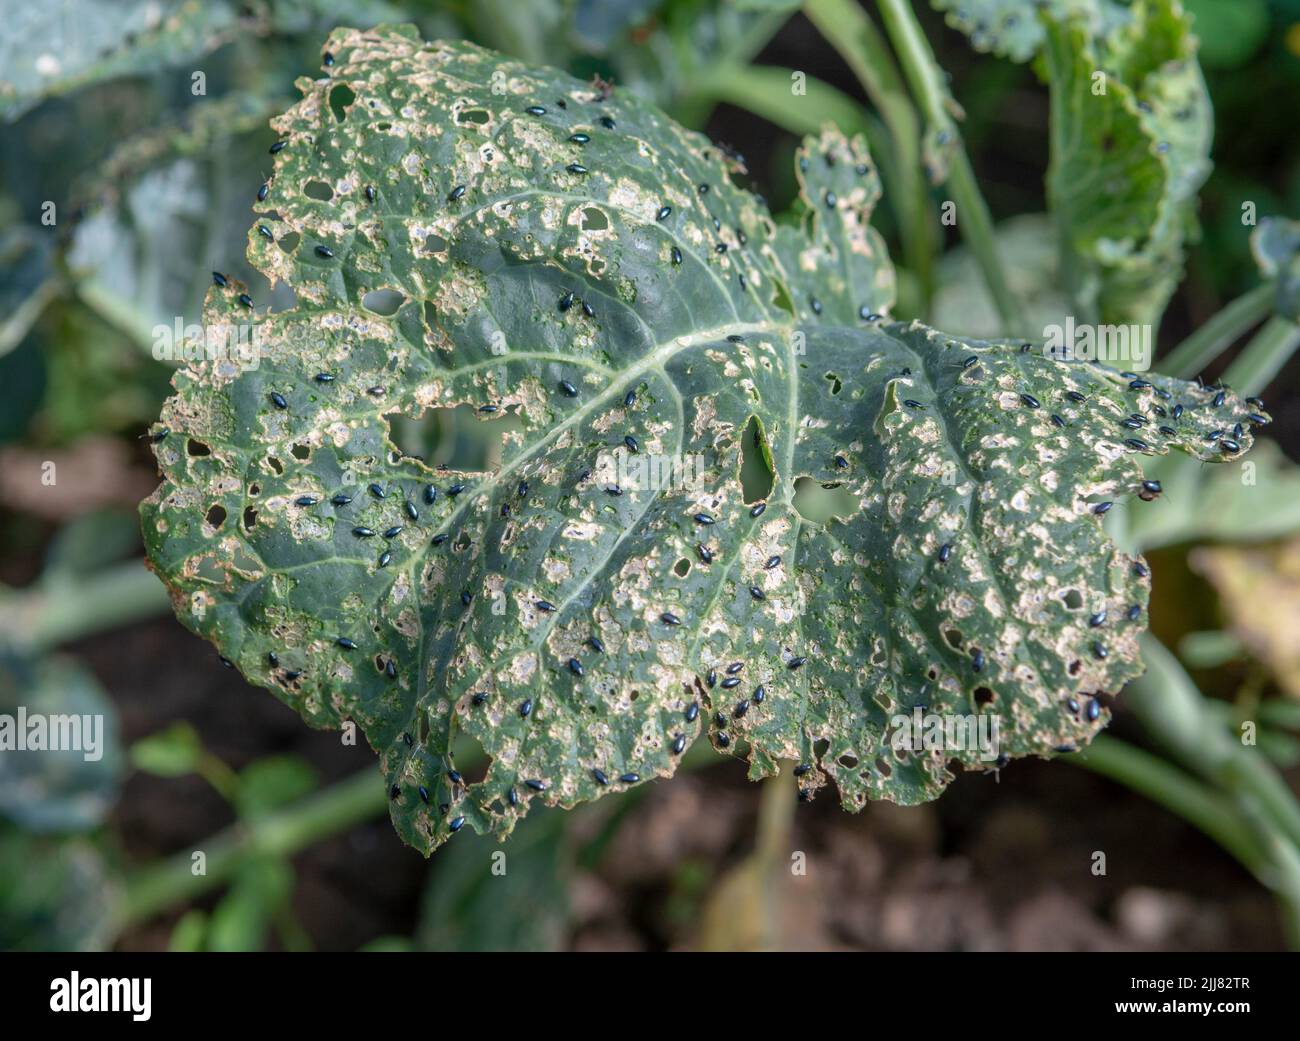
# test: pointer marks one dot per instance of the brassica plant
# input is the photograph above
(459, 230)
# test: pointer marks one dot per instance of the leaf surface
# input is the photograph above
(1131, 129)
(575, 607)
(1014, 28)
(1276, 248)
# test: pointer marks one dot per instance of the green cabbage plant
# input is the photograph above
(462, 231)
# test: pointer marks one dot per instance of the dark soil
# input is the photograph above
(1000, 863)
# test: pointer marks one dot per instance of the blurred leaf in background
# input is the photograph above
(1028, 245)
(1276, 246)
(1230, 32)
(56, 890)
(56, 894)
(173, 752)
(274, 781)
(258, 896)
(68, 789)
(49, 49)
(1259, 590)
(482, 895)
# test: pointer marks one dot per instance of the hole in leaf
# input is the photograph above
(340, 98)
(891, 403)
(818, 503)
(781, 297)
(883, 768)
(254, 490)
(820, 747)
(836, 383)
(197, 448)
(848, 760)
(434, 244)
(476, 116)
(682, 568)
(383, 301)
(216, 515)
(301, 451)
(289, 241)
(211, 570)
(275, 464)
(757, 472)
(1072, 599)
(250, 518)
(983, 696)
(594, 219)
(454, 437)
(467, 749)
(318, 190)
(1074, 668)
(954, 638)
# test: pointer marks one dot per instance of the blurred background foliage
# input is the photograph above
(133, 139)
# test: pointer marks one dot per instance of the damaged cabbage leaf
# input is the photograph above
(1014, 28)
(1276, 248)
(1126, 163)
(1131, 131)
(461, 230)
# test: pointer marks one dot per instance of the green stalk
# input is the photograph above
(1219, 333)
(1173, 711)
(1243, 805)
(693, 106)
(1264, 356)
(21, 319)
(931, 93)
(157, 887)
(119, 312)
(153, 889)
(848, 28)
(776, 808)
(1178, 792)
(54, 612)
(765, 91)
(747, 45)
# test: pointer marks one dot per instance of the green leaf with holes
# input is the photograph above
(1131, 131)
(459, 230)
(1014, 28)
(1131, 127)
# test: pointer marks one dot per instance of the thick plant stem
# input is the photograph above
(1219, 333)
(153, 889)
(1264, 356)
(1174, 713)
(1265, 854)
(847, 27)
(1172, 710)
(973, 218)
(775, 823)
(765, 91)
(1177, 792)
